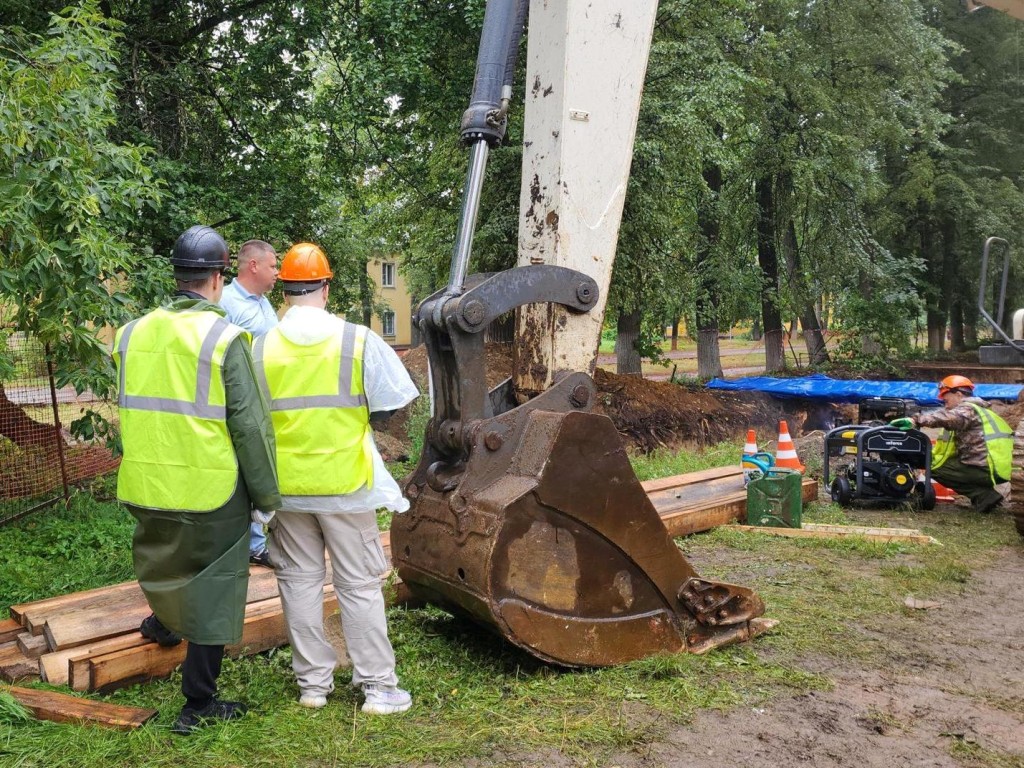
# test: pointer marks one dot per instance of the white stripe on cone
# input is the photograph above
(786, 456)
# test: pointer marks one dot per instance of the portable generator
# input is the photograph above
(882, 463)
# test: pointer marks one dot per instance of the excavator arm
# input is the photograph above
(526, 514)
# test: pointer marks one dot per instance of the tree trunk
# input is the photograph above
(817, 353)
(675, 333)
(936, 331)
(627, 358)
(956, 327)
(768, 259)
(950, 283)
(709, 358)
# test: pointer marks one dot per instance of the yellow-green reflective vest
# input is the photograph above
(998, 444)
(178, 454)
(319, 411)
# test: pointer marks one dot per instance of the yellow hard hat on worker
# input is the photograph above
(304, 269)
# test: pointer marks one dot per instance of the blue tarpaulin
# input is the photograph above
(821, 387)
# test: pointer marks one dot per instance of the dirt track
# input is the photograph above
(952, 675)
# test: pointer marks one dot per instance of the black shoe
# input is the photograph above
(152, 629)
(990, 504)
(263, 558)
(191, 720)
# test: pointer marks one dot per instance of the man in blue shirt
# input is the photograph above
(246, 305)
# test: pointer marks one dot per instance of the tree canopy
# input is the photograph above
(830, 165)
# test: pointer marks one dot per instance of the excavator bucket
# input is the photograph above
(529, 519)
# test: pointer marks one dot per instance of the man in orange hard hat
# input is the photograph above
(326, 380)
(974, 451)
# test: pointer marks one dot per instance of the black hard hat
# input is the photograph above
(200, 248)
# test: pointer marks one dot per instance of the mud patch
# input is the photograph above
(953, 676)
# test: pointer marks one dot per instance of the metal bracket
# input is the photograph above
(452, 330)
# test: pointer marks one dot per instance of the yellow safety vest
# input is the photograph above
(178, 454)
(319, 411)
(998, 444)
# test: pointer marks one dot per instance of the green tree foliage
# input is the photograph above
(69, 195)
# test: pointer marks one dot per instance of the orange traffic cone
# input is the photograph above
(750, 448)
(942, 493)
(785, 454)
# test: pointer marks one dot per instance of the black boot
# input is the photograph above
(152, 629)
(191, 720)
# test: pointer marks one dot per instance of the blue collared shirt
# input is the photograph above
(249, 310)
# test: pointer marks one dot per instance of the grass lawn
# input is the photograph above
(475, 697)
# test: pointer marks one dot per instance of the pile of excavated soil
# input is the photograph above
(652, 414)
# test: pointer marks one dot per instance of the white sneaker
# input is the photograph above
(312, 701)
(385, 701)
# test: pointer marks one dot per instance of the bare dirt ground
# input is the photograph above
(952, 679)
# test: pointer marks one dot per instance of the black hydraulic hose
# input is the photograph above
(503, 20)
(517, 33)
(483, 124)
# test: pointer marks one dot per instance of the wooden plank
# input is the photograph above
(690, 478)
(62, 708)
(91, 624)
(9, 630)
(15, 665)
(260, 632)
(885, 535)
(34, 615)
(695, 496)
(55, 667)
(32, 646)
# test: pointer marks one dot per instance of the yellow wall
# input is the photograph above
(397, 298)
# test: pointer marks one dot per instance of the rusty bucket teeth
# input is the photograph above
(548, 539)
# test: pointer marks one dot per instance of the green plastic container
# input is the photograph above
(775, 499)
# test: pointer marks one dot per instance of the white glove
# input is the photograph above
(263, 518)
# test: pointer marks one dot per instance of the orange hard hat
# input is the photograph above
(955, 382)
(305, 263)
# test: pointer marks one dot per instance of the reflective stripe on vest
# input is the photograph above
(319, 411)
(943, 449)
(998, 442)
(178, 454)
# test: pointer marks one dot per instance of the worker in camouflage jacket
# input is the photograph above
(198, 456)
(973, 453)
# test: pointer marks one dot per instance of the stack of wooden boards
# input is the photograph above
(90, 641)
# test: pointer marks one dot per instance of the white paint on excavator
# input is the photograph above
(586, 62)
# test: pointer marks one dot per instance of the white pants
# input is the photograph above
(297, 544)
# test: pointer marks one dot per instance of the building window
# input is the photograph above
(387, 323)
(387, 274)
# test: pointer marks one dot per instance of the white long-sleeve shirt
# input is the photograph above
(387, 386)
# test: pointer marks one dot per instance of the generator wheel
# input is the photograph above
(925, 497)
(841, 492)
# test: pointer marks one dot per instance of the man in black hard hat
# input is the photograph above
(198, 456)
